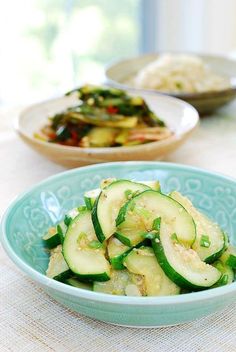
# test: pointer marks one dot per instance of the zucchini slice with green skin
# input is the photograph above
(122, 282)
(55, 236)
(142, 261)
(155, 185)
(182, 265)
(210, 241)
(101, 136)
(136, 218)
(90, 197)
(108, 204)
(117, 251)
(70, 216)
(76, 283)
(107, 181)
(84, 254)
(227, 272)
(57, 266)
(229, 257)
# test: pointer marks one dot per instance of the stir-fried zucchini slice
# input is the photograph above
(57, 267)
(180, 263)
(72, 281)
(136, 219)
(122, 282)
(227, 273)
(229, 257)
(90, 197)
(142, 261)
(84, 254)
(210, 240)
(107, 206)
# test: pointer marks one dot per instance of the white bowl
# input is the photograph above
(121, 73)
(179, 116)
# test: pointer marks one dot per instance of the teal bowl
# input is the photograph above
(29, 216)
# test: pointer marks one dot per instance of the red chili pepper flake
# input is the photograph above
(74, 135)
(112, 110)
(52, 135)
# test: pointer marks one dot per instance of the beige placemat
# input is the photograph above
(31, 321)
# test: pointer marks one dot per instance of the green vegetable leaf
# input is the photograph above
(179, 85)
(82, 208)
(128, 194)
(174, 237)
(67, 220)
(95, 244)
(150, 235)
(205, 241)
(157, 224)
(82, 238)
(60, 233)
(231, 261)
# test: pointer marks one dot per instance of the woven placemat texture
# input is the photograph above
(30, 321)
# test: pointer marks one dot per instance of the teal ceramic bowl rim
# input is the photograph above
(100, 297)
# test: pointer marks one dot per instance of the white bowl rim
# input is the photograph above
(109, 150)
(102, 297)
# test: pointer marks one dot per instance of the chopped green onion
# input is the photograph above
(82, 236)
(231, 261)
(67, 220)
(150, 235)
(174, 237)
(179, 85)
(95, 244)
(59, 229)
(226, 238)
(82, 208)
(60, 233)
(128, 194)
(205, 241)
(135, 193)
(156, 224)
